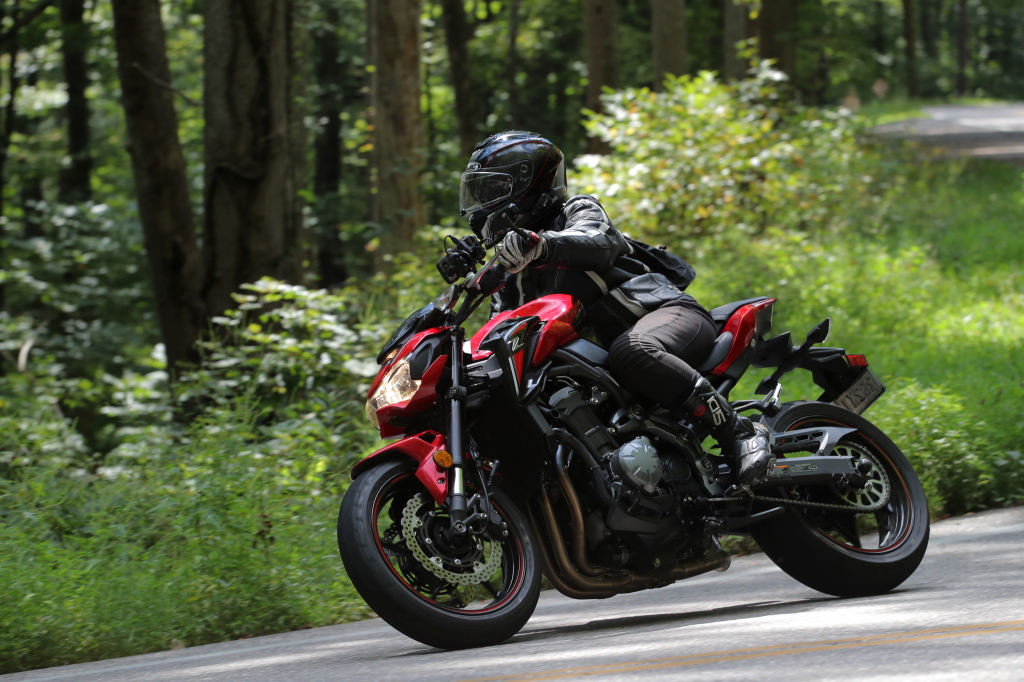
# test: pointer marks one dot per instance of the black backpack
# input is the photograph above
(660, 260)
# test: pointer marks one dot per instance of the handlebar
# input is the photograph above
(472, 282)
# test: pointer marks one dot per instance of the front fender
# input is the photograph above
(421, 448)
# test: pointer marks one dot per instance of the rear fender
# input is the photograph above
(421, 448)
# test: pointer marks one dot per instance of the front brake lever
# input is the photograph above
(509, 217)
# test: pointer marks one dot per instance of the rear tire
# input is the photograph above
(399, 590)
(818, 548)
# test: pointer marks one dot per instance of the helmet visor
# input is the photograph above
(487, 187)
(559, 180)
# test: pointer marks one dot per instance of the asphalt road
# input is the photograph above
(960, 617)
(988, 131)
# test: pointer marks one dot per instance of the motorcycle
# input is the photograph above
(519, 455)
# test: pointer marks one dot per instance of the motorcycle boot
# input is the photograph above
(747, 443)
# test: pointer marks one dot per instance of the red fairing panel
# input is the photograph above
(553, 335)
(425, 396)
(421, 448)
(743, 326)
(559, 313)
(409, 347)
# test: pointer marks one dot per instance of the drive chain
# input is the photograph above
(822, 505)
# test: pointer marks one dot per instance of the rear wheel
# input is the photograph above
(848, 553)
(473, 593)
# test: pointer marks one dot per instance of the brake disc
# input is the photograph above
(482, 572)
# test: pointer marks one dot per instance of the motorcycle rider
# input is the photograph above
(653, 330)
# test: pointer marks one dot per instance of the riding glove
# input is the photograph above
(517, 252)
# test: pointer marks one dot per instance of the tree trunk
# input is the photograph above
(778, 34)
(668, 39)
(927, 12)
(602, 39)
(513, 64)
(31, 192)
(881, 18)
(253, 224)
(327, 172)
(910, 38)
(736, 27)
(158, 167)
(397, 122)
(74, 179)
(31, 200)
(5, 140)
(559, 99)
(458, 33)
(961, 50)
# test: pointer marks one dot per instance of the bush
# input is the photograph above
(707, 158)
(210, 535)
(961, 470)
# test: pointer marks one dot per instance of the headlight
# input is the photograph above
(397, 386)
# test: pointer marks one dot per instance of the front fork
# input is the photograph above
(457, 505)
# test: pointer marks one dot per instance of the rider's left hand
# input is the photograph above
(517, 252)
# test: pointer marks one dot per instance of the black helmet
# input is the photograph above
(513, 167)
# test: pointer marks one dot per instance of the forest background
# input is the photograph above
(214, 211)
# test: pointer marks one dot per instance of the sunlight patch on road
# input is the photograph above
(772, 650)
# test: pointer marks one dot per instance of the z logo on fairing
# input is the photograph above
(515, 344)
(716, 410)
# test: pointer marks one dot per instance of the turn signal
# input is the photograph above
(443, 459)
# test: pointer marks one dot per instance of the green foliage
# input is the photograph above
(210, 533)
(960, 468)
(707, 158)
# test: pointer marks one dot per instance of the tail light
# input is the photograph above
(857, 360)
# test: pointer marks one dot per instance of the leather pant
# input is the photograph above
(652, 359)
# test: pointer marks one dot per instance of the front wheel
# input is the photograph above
(844, 552)
(392, 539)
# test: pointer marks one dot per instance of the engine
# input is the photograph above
(640, 520)
(637, 463)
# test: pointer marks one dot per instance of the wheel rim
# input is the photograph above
(423, 524)
(876, 532)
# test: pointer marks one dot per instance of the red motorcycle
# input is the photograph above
(519, 454)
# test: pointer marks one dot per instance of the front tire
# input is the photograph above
(411, 597)
(834, 552)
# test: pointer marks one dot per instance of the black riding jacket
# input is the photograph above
(586, 257)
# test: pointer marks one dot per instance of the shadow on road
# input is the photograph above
(725, 613)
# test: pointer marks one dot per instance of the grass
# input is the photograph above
(896, 109)
(209, 539)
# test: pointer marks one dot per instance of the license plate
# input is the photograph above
(864, 391)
